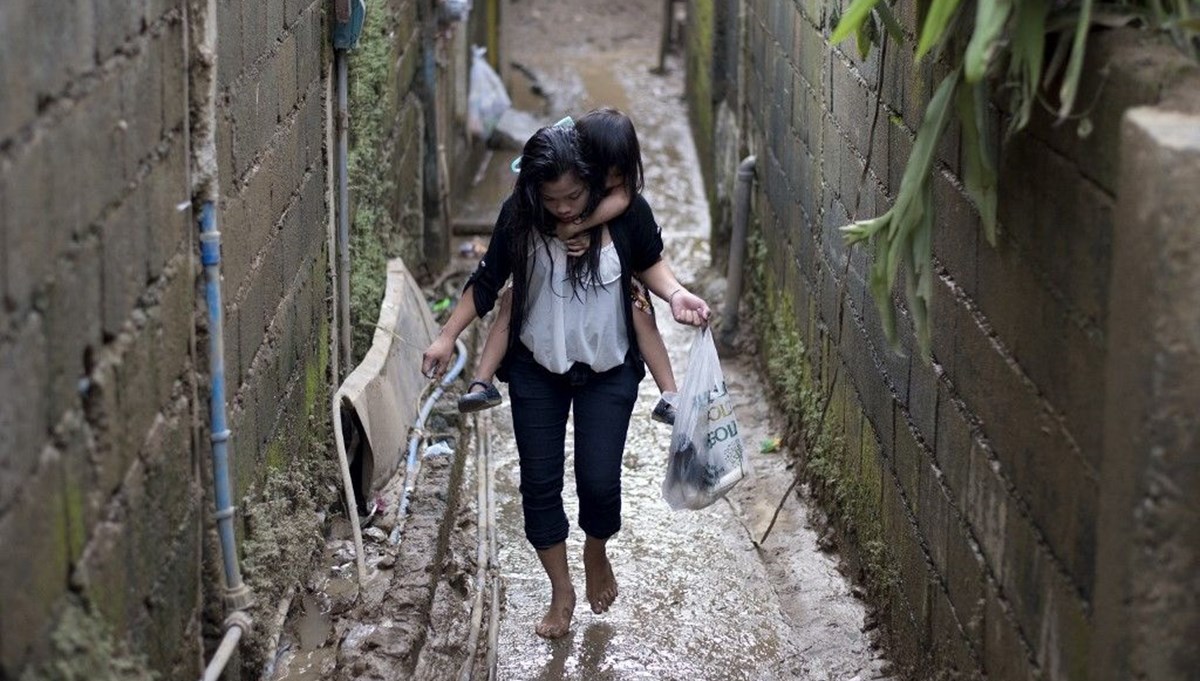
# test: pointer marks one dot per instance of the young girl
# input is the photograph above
(609, 141)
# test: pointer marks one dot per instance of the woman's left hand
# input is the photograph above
(689, 308)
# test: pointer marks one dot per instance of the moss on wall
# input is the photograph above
(817, 406)
(84, 649)
(373, 103)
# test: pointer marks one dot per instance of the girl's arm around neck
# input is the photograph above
(610, 206)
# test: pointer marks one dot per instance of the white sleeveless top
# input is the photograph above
(564, 325)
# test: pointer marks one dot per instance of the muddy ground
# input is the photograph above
(700, 597)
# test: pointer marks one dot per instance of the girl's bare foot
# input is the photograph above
(601, 582)
(557, 621)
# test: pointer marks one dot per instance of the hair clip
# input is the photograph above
(564, 122)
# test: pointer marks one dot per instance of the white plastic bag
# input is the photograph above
(707, 457)
(487, 100)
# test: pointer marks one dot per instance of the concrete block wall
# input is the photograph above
(102, 358)
(982, 466)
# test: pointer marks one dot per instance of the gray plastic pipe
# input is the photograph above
(340, 58)
(737, 249)
(413, 462)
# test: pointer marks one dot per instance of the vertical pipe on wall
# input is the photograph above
(202, 68)
(343, 153)
(737, 249)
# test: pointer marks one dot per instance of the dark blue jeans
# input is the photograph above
(602, 403)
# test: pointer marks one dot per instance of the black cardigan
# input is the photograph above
(635, 234)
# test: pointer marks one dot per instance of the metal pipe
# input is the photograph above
(343, 154)
(412, 463)
(737, 249)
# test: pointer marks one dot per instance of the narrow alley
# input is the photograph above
(960, 237)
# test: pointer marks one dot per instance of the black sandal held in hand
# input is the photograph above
(479, 400)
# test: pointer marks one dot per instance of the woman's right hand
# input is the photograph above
(688, 308)
(436, 359)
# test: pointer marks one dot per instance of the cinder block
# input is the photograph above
(965, 581)
(116, 23)
(172, 607)
(1005, 654)
(954, 443)
(167, 227)
(24, 405)
(170, 324)
(124, 250)
(136, 375)
(174, 73)
(142, 104)
(933, 516)
(109, 573)
(908, 461)
(987, 509)
(55, 57)
(18, 107)
(285, 59)
(275, 18)
(72, 325)
(157, 9)
(37, 524)
(82, 493)
(230, 43)
(30, 254)
(255, 34)
(956, 233)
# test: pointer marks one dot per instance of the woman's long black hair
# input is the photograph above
(548, 155)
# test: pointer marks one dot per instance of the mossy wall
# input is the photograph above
(967, 481)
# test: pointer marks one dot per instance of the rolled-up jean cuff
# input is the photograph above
(548, 539)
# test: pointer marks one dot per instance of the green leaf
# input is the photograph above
(857, 13)
(990, 18)
(940, 13)
(889, 21)
(979, 171)
(1028, 49)
(1070, 84)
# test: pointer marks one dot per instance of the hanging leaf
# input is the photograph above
(889, 21)
(850, 22)
(990, 19)
(867, 35)
(1070, 84)
(1028, 48)
(979, 167)
(892, 234)
(940, 13)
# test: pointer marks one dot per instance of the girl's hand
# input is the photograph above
(578, 245)
(436, 359)
(565, 231)
(689, 308)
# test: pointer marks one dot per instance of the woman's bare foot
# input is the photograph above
(557, 621)
(601, 582)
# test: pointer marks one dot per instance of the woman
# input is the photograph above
(571, 344)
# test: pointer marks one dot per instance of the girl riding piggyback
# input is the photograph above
(608, 140)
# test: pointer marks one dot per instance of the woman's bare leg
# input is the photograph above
(557, 621)
(496, 344)
(601, 582)
(654, 350)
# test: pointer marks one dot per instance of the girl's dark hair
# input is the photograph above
(550, 153)
(610, 141)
